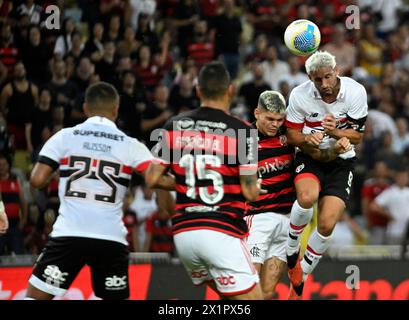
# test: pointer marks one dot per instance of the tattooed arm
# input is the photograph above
(325, 155)
(250, 187)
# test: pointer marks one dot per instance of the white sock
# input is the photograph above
(299, 219)
(317, 245)
(28, 298)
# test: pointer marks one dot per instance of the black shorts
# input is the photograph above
(63, 258)
(335, 177)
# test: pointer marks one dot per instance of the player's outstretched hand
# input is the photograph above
(343, 145)
(329, 122)
(314, 138)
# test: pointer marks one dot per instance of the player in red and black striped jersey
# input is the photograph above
(268, 217)
(213, 158)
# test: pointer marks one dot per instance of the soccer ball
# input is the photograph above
(302, 37)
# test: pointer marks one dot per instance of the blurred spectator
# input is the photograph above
(295, 77)
(128, 47)
(35, 57)
(183, 97)
(113, 31)
(40, 120)
(159, 236)
(144, 204)
(228, 29)
(259, 51)
(347, 232)
(106, 67)
(201, 48)
(63, 43)
(371, 51)
(83, 73)
(262, 14)
(185, 16)
(131, 223)
(6, 7)
(31, 9)
(372, 187)
(401, 141)
(16, 209)
(392, 204)
(17, 101)
(36, 240)
(381, 123)
(9, 53)
(94, 47)
(156, 113)
(144, 33)
(76, 51)
(132, 105)
(251, 90)
(120, 8)
(344, 52)
(274, 69)
(147, 69)
(385, 152)
(141, 7)
(63, 90)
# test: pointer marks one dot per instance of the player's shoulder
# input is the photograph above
(353, 86)
(302, 88)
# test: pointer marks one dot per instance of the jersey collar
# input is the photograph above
(101, 120)
(341, 94)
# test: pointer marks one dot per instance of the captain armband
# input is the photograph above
(356, 124)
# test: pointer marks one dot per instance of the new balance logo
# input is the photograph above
(115, 282)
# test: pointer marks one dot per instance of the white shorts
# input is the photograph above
(268, 234)
(214, 256)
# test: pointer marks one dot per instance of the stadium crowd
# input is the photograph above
(151, 51)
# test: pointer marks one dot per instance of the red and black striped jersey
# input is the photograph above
(207, 150)
(275, 168)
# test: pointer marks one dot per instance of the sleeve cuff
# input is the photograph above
(48, 161)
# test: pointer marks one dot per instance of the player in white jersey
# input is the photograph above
(320, 112)
(95, 161)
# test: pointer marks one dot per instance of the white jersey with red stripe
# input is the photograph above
(306, 109)
(96, 161)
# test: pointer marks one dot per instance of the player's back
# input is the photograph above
(96, 161)
(207, 151)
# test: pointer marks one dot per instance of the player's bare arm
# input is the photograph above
(41, 175)
(329, 123)
(155, 177)
(325, 155)
(297, 138)
(250, 187)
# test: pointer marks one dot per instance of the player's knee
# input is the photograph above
(326, 228)
(306, 198)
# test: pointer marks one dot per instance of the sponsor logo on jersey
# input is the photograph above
(115, 283)
(299, 168)
(185, 124)
(277, 165)
(53, 275)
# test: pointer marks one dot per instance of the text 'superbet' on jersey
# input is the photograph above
(207, 150)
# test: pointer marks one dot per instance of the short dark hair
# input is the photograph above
(101, 96)
(214, 80)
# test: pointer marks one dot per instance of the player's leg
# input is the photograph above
(307, 189)
(109, 261)
(330, 210)
(55, 269)
(271, 273)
